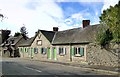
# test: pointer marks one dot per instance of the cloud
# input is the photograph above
(79, 0)
(75, 20)
(108, 3)
(44, 14)
(35, 14)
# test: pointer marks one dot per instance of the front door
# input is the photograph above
(49, 53)
(54, 54)
(32, 53)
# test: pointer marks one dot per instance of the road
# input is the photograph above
(16, 66)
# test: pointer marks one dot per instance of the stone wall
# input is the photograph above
(98, 56)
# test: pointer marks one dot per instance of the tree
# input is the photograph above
(104, 36)
(17, 34)
(1, 16)
(110, 19)
(23, 32)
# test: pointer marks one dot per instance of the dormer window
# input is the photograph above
(39, 42)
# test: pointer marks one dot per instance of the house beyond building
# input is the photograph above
(10, 46)
(4, 35)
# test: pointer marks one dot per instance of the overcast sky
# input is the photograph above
(46, 14)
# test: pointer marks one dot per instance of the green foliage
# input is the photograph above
(17, 34)
(104, 36)
(24, 32)
(110, 19)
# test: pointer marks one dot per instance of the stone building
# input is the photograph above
(10, 46)
(68, 45)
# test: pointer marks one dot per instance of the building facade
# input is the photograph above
(68, 45)
(73, 45)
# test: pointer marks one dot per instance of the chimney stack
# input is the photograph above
(55, 29)
(85, 23)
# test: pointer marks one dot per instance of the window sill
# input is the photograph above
(78, 55)
(61, 54)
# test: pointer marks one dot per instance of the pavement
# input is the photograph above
(97, 68)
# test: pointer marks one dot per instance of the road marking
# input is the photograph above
(33, 69)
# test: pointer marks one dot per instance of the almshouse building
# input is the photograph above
(69, 45)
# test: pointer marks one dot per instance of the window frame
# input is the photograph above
(77, 51)
(36, 50)
(62, 51)
(38, 43)
(43, 51)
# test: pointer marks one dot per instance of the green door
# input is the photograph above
(71, 53)
(32, 52)
(29, 52)
(54, 54)
(49, 53)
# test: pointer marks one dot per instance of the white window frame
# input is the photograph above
(78, 53)
(62, 52)
(39, 42)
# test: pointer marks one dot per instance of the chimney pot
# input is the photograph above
(85, 23)
(55, 29)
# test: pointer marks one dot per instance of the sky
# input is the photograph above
(46, 14)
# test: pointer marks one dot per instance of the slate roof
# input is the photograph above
(27, 42)
(76, 35)
(86, 35)
(48, 34)
(71, 36)
(16, 39)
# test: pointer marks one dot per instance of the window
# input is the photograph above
(75, 51)
(43, 51)
(26, 50)
(79, 51)
(36, 50)
(62, 51)
(39, 42)
(12, 41)
(21, 49)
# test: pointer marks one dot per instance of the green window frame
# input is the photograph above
(78, 51)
